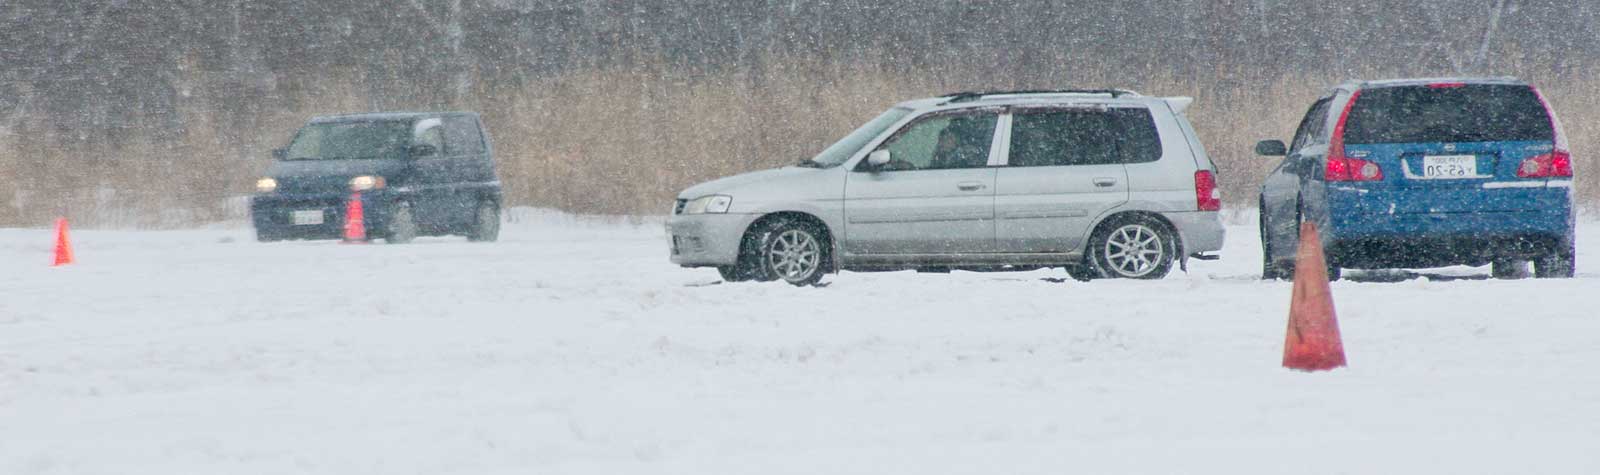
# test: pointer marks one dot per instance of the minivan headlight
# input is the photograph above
(708, 204)
(366, 182)
(266, 185)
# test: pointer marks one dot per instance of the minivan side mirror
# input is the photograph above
(422, 150)
(280, 153)
(878, 158)
(1271, 148)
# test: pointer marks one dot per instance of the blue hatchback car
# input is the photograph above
(1424, 173)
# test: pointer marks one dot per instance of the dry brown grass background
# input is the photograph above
(625, 140)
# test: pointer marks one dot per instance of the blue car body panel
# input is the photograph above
(1408, 219)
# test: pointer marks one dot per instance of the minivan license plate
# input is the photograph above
(307, 217)
(1449, 166)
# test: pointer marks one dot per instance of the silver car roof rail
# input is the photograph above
(975, 95)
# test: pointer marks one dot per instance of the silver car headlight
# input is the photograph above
(266, 185)
(708, 204)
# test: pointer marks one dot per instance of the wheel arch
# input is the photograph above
(1113, 218)
(771, 217)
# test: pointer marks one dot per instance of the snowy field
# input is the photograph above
(573, 346)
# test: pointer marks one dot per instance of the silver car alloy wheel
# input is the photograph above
(1134, 250)
(794, 255)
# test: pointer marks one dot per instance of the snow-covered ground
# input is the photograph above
(573, 346)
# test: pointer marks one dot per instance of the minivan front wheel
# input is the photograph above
(402, 225)
(1134, 248)
(486, 223)
(794, 251)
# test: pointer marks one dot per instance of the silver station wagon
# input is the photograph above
(1102, 183)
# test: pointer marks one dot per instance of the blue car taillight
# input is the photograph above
(1557, 164)
(1341, 168)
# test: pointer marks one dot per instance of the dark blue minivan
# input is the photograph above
(1424, 173)
(416, 174)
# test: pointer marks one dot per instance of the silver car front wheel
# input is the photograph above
(795, 253)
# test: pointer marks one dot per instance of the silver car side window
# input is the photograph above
(942, 142)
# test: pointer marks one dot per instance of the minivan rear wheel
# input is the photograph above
(1134, 248)
(1508, 269)
(1557, 265)
(486, 223)
(402, 225)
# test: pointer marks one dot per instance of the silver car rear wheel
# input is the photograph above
(1134, 248)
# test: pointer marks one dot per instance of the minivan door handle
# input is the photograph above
(1105, 182)
(970, 185)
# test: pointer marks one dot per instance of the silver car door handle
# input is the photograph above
(1105, 182)
(970, 186)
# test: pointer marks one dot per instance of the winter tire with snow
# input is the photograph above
(402, 225)
(1133, 248)
(486, 223)
(793, 251)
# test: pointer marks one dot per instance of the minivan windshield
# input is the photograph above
(1448, 113)
(840, 151)
(350, 140)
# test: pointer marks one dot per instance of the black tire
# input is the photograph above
(1508, 269)
(793, 251)
(1286, 270)
(733, 273)
(266, 237)
(1150, 241)
(1082, 273)
(402, 226)
(748, 267)
(1557, 265)
(485, 223)
(1269, 269)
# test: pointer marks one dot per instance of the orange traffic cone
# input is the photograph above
(1313, 342)
(63, 246)
(355, 225)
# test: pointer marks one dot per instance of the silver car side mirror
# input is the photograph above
(878, 158)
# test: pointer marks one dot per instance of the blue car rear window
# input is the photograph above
(1455, 113)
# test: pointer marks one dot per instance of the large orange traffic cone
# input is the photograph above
(63, 246)
(1313, 342)
(355, 224)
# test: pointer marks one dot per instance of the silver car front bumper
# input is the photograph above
(701, 240)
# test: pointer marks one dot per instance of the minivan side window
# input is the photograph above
(1066, 137)
(461, 136)
(1312, 127)
(942, 142)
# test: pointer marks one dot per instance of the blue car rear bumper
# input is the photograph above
(1360, 235)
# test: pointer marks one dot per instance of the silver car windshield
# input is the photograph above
(840, 151)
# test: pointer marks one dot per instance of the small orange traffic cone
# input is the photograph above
(63, 246)
(355, 225)
(1313, 342)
